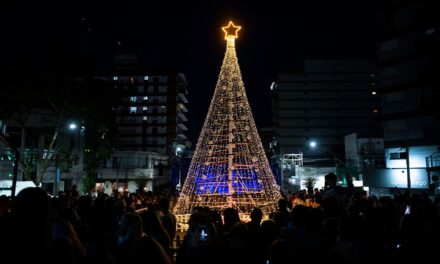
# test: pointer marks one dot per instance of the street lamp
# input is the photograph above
(72, 126)
(312, 144)
(179, 156)
(77, 129)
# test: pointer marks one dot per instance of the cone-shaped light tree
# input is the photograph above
(229, 167)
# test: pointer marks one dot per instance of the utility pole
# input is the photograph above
(15, 173)
(408, 174)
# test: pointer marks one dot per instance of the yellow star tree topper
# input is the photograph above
(231, 30)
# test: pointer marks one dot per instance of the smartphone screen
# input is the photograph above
(203, 232)
(408, 210)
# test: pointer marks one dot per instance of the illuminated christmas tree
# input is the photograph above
(229, 167)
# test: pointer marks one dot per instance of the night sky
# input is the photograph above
(186, 36)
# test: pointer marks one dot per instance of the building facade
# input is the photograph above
(409, 65)
(315, 108)
(151, 122)
(408, 41)
(151, 116)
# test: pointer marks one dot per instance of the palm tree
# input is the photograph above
(310, 184)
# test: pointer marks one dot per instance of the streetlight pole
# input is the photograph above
(78, 130)
(179, 157)
(408, 168)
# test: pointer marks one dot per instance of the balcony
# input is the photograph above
(182, 117)
(181, 93)
(181, 136)
(182, 127)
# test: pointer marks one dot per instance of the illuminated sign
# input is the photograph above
(390, 178)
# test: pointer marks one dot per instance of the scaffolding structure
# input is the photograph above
(291, 166)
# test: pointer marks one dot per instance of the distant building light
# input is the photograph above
(115, 78)
(145, 118)
(372, 75)
(145, 98)
(145, 78)
(145, 108)
(373, 92)
(133, 109)
(273, 86)
(312, 144)
(375, 110)
(133, 99)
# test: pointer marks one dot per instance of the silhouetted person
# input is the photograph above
(230, 217)
(201, 243)
(282, 214)
(269, 233)
(332, 197)
(167, 218)
(280, 252)
(237, 243)
(28, 237)
(134, 245)
(67, 246)
(255, 236)
(154, 228)
(254, 226)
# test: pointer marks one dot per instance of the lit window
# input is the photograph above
(133, 99)
(145, 108)
(145, 98)
(373, 92)
(131, 80)
(115, 78)
(163, 107)
(375, 110)
(145, 118)
(145, 78)
(133, 109)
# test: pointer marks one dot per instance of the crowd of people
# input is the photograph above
(333, 225)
